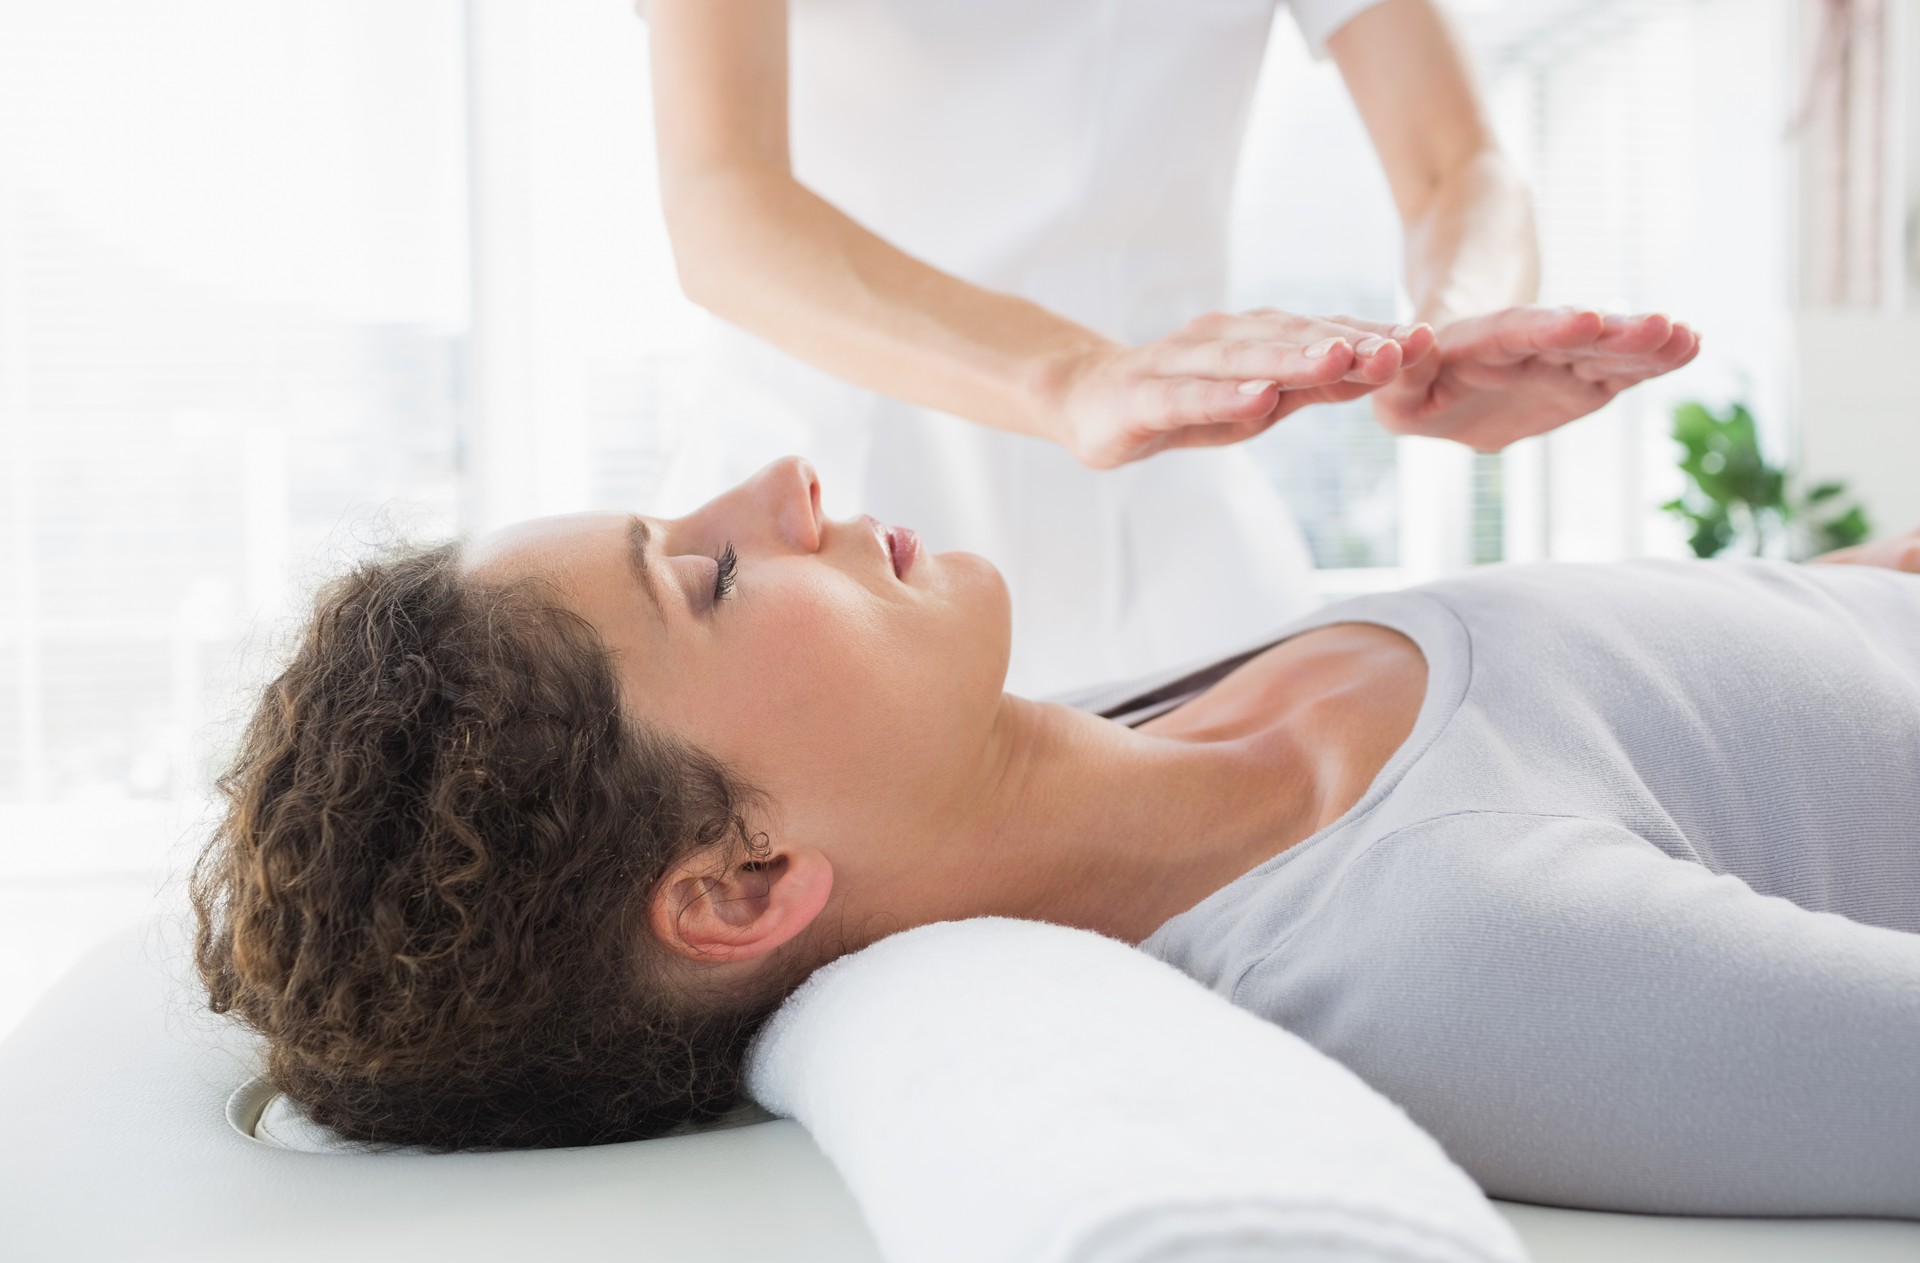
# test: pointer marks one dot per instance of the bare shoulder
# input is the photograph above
(1354, 678)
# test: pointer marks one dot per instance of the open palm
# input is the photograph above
(1220, 378)
(1507, 375)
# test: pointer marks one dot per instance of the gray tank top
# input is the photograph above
(1632, 919)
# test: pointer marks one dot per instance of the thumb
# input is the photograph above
(1416, 380)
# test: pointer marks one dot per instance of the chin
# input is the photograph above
(976, 616)
(991, 613)
(979, 584)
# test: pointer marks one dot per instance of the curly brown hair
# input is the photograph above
(429, 889)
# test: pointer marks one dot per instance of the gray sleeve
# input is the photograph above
(1583, 1020)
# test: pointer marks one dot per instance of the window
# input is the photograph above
(1314, 231)
(232, 335)
(1653, 135)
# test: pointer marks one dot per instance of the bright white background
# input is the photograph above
(278, 279)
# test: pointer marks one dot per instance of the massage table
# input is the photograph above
(129, 1116)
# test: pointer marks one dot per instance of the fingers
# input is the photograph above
(1139, 400)
(1289, 364)
(1654, 341)
(1368, 337)
(1678, 349)
(1510, 374)
(1295, 352)
(1521, 333)
(1597, 356)
(1188, 412)
(1493, 408)
(1567, 334)
(1220, 434)
(1633, 335)
(1217, 411)
(1899, 553)
(1179, 403)
(1418, 341)
(1376, 360)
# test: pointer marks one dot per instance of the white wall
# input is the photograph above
(1859, 408)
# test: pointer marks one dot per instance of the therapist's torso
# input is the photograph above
(1078, 153)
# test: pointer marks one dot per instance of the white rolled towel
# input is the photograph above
(999, 1091)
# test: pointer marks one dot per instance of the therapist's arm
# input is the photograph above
(1467, 215)
(759, 249)
(1502, 371)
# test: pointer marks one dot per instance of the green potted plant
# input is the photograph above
(1734, 496)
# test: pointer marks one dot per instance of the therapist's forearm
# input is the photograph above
(1472, 246)
(761, 251)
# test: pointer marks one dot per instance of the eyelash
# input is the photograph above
(725, 566)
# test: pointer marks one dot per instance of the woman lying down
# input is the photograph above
(1610, 875)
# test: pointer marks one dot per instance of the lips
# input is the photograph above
(901, 543)
(904, 545)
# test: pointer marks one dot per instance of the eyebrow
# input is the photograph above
(639, 535)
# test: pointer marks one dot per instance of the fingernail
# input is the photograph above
(1367, 346)
(1252, 388)
(1402, 332)
(1321, 349)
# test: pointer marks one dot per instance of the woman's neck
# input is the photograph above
(1079, 821)
(1071, 818)
(1118, 830)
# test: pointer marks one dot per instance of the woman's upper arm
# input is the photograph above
(1414, 88)
(719, 89)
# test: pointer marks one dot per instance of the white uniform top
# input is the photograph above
(1079, 153)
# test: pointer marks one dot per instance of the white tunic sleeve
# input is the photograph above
(1319, 19)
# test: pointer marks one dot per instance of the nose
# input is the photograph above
(797, 494)
(782, 500)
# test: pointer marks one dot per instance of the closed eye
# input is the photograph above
(725, 566)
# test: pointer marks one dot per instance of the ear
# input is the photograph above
(706, 911)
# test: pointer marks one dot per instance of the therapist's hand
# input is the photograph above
(1900, 552)
(1220, 378)
(1508, 375)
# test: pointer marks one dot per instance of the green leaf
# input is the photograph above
(1850, 528)
(1733, 494)
(1711, 537)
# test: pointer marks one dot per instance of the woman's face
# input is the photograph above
(834, 665)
